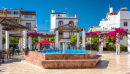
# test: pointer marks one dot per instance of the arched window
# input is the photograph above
(71, 22)
(60, 23)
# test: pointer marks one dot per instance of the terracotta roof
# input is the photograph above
(28, 12)
(69, 28)
(10, 24)
(114, 13)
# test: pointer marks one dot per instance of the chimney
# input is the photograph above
(21, 9)
(111, 10)
(123, 9)
(53, 11)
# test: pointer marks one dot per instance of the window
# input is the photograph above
(71, 22)
(16, 12)
(60, 23)
(125, 23)
(8, 12)
(60, 34)
(28, 25)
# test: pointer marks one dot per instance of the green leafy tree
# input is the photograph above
(51, 39)
(3, 40)
(110, 39)
(13, 40)
(73, 39)
(95, 40)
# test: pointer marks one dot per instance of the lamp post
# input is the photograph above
(35, 28)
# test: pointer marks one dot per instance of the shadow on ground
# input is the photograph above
(103, 64)
(16, 58)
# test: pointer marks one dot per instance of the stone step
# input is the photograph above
(82, 63)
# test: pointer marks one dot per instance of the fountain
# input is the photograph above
(63, 47)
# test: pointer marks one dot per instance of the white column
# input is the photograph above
(83, 40)
(7, 41)
(21, 44)
(39, 39)
(100, 49)
(117, 44)
(24, 41)
(56, 40)
(0, 37)
(77, 40)
(30, 43)
(128, 43)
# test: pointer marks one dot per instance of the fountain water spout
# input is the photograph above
(63, 47)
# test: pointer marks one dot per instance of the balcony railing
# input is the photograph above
(28, 16)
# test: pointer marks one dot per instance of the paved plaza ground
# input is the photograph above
(110, 64)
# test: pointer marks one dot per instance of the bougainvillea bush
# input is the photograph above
(122, 32)
(34, 33)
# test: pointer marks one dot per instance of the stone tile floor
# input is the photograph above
(110, 64)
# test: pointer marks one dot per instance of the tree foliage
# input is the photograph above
(73, 39)
(95, 40)
(11, 40)
(34, 40)
(50, 39)
(14, 40)
(110, 39)
(3, 40)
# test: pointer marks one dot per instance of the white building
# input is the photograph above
(115, 20)
(26, 18)
(60, 19)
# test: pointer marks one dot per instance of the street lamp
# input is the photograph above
(35, 28)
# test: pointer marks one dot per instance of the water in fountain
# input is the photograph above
(63, 47)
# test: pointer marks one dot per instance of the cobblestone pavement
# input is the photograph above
(110, 64)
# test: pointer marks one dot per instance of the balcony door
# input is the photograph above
(28, 25)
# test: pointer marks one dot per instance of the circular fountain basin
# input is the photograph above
(64, 51)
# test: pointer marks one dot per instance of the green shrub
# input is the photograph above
(111, 47)
(94, 46)
(105, 49)
(123, 48)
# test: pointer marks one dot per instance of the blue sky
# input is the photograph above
(89, 12)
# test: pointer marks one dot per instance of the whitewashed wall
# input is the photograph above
(32, 24)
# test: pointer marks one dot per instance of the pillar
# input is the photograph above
(24, 42)
(78, 41)
(7, 41)
(56, 40)
(0, 38)
(39, 39)
(21, 44)
(30, 43)
(117, 44)
(83, 40)
(100, 48)
(128, 43)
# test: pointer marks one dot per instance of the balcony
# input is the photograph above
(28, 17)
(13, 15)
